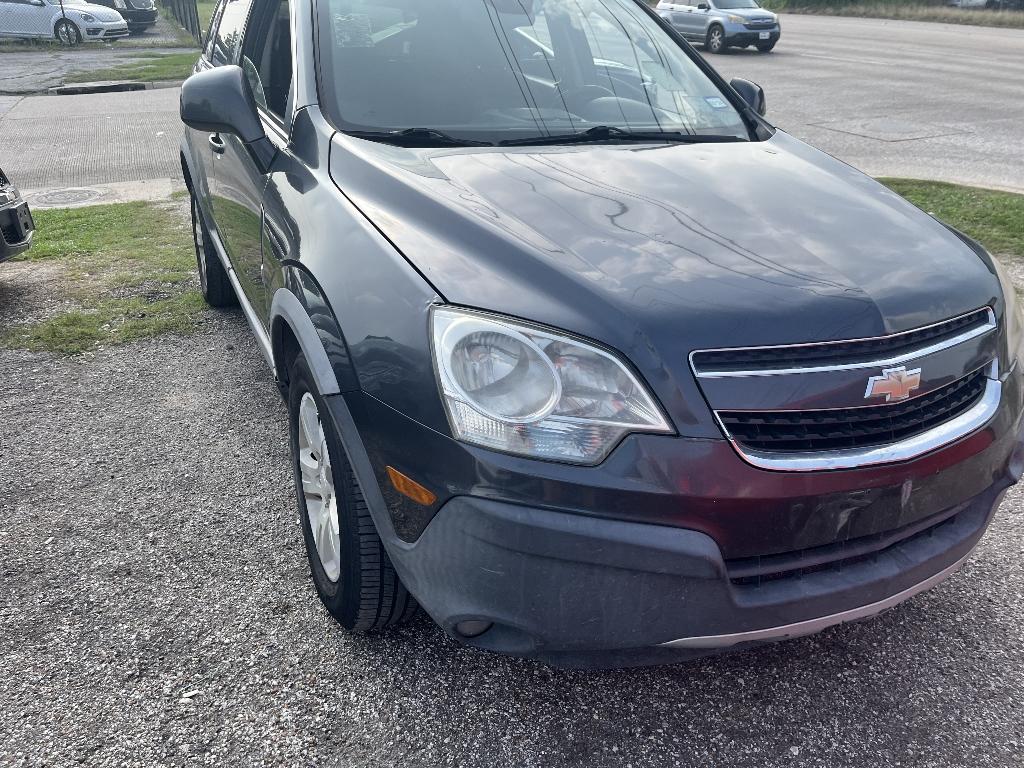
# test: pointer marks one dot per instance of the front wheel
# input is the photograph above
(352, 573)
(715, 42)
(213, 278)
(67, 33)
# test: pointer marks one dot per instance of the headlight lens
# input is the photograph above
(87, 17)
(736, 19)
(533, 392)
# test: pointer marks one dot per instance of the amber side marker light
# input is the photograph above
(409, 487)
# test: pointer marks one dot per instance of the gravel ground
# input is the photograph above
(149, 549)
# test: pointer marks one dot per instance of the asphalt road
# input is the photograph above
(891, 98)
(898, 98)
(149, 548)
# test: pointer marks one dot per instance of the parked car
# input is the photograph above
(553, 373)
(140, 15)
(722, 24)
(992, 5)
(70, 22)
(16, 224)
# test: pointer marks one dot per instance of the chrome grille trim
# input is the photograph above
(904, 450)
(885, 362)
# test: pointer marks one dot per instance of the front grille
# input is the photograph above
(759, 23)
(844, 428)
(10, 230)
(841, 352)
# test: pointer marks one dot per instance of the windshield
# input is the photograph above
(728, 5)
(496, 70)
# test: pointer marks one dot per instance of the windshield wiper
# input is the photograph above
(418, 137)
(612, 133)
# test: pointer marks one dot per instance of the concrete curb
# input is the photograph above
(101, 86)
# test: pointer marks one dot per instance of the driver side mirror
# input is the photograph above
(752, 93)
(703, 7)
(220, 100)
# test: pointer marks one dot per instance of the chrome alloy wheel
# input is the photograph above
(318, 487)
(66, 33)
(716, 40)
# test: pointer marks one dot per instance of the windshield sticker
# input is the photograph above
(716, 102)
(352, 30)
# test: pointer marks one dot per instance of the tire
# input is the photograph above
(715, 41)
(352, 573)
(213, 278)
(67, 33)
(766, 47)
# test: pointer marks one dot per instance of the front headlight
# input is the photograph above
(526, 390)
(736, 19)
(87, 17)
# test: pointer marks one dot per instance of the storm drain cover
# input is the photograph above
(57, 198)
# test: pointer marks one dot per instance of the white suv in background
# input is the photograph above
(70, 22)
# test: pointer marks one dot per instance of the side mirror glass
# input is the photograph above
(220, 100)
(752, 93)
(703, 7)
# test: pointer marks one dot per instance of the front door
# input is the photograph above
(238, 210)
(20, 18)
(682, 16)
(239, 184)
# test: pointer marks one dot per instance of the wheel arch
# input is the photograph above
(301, 320)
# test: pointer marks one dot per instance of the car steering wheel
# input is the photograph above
(584, 94)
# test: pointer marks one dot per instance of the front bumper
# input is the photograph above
(576, 591)
(738, 35)
(104, 30)
(674, 547)
(139, 19)
(16, 225)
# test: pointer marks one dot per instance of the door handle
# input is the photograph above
(217, 143)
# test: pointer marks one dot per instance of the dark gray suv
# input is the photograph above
(582, 355)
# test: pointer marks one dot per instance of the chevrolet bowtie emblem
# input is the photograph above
(894, 383)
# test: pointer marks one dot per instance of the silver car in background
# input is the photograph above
(721, 24)
(70, 22)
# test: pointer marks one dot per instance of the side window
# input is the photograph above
(227, 43)
(267, 57)
(211, 34)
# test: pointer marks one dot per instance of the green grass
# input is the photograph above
(996, 219)
(127, 272)
(147, 67)
(205, 8)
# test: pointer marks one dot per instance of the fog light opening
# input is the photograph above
(473, 627)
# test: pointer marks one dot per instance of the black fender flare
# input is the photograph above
(301, 306)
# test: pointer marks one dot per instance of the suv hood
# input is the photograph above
(751, 14)
(661, 250)
(101, 12)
